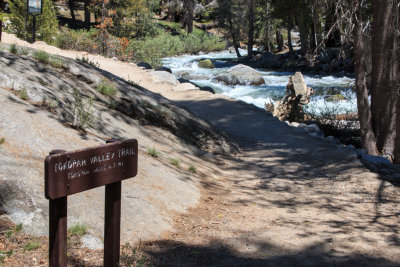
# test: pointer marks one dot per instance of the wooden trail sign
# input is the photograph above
(67, 173)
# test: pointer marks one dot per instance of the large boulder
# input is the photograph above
(165, 77)
(297, 94)
(206, 64)
(241, 75)
(227, 79)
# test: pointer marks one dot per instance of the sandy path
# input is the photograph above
(287, 199)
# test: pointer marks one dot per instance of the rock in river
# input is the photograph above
(241, 75)
(206, 64)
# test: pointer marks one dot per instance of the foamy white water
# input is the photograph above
(275, 83)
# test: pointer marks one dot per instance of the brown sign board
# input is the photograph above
(73, 172)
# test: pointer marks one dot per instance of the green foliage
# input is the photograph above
(78, 229)
(86, 60)
(192, 169)
(46, 23)
(24, 94)
(2, 140)
(53, 61)
(174, 162)
(148, 49)
(32, 245)
(9, 234)
(82, 113)
(5, 254)
(89, 41)
(130, 256)
(41, 56)
(153, 152)
(18, 228)
(13, 49)
(58, 62)
(107, 89)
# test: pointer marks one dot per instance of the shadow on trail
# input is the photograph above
(285, 169)
(170, 253)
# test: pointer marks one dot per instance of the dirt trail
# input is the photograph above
(286, 199)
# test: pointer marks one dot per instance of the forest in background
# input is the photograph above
(366, 31)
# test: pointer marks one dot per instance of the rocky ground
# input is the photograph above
(269, 194)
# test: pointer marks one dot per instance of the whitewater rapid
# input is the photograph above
(273, 89)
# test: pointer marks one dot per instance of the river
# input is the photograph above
(275, 83)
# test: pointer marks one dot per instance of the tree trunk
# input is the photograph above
(87, 14)
(187, 22)
(304, 32)
(71, 4)
(267, 28)
(289, 35)
(397, 58)
(385, 79)
(235, 41)
(279, 40)
(364, 112)
(1, 23)
(333, 40)
(250, 41)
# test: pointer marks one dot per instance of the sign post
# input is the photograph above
(67, 173)
(34, 8)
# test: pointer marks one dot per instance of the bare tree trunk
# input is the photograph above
(397, 86)
(87, 14)
(267, 27)
(304, 32)
(1, 23)
(333, 39)
(235, 41)
(250, 41)
(71, 4)
(279, 40)
(187, 22)
(289, 38)
(364, 112)
(384, 91)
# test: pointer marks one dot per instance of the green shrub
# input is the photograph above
(174, 162)
(13, 49)
(192, 169)
(153, 152)
(107, 89)
(5, 254)
(89, 41)
(86, 60)
(18, 228)
(58, 62)
(46, 23)
(41, 56)
(78, 229)
(31, 246)
(82, 113)
(2, 140)
(24, 94)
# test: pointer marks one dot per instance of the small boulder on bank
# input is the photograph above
(241, 75)
(206, 64)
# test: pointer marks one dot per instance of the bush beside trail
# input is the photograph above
(145, 49)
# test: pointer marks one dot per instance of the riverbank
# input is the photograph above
(284, 198)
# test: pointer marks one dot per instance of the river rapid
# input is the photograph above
(275, 83)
